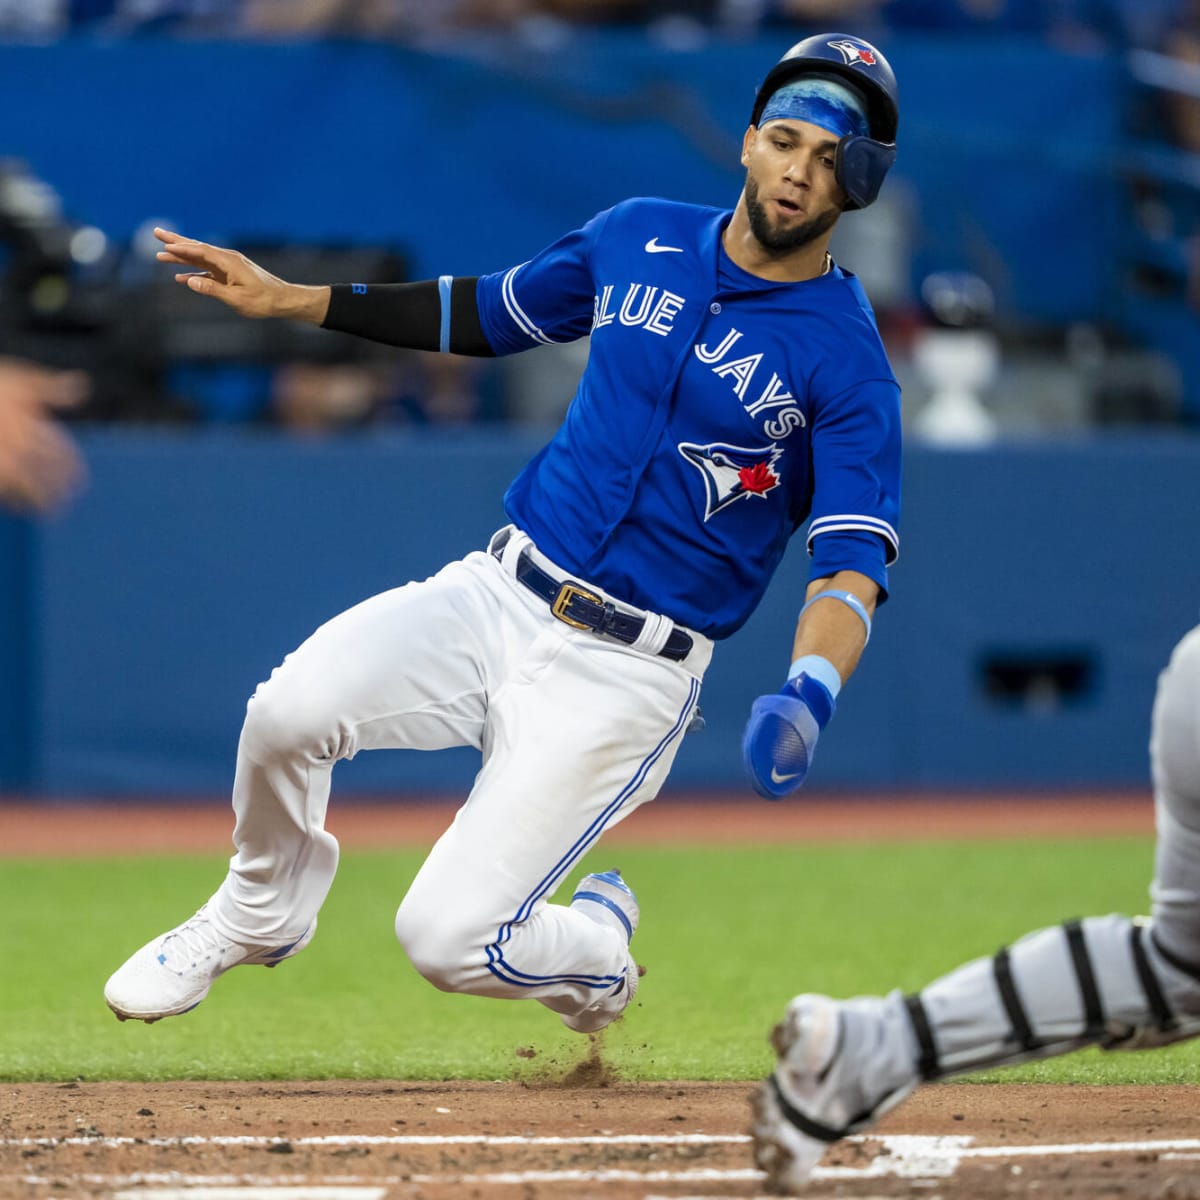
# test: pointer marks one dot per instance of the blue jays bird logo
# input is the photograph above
(853, 53)
(733, 472)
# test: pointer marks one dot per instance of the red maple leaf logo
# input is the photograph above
(867, 57)
(758, 479)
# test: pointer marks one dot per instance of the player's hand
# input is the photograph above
(235, 280)
(39, 465)
(781, 735)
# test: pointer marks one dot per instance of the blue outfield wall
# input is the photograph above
(143, 617)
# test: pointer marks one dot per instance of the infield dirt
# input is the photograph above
(101, 1139)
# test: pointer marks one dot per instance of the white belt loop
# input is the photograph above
(517, 541)
(655, 632)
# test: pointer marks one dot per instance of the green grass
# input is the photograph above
(728, 935)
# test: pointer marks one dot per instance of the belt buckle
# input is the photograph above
(566, 593)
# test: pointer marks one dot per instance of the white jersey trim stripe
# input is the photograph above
(876, 523)
(850, 521)
(517, 313)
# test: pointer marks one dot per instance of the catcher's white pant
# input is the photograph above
(1103, 980)
(1175, 759)
(576, 731)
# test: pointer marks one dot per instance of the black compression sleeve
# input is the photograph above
(409, 315)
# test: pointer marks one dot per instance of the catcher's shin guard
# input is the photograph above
(1100, 981)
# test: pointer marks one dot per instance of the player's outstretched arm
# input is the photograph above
(781, 735)
(435, 314)
(243, 285)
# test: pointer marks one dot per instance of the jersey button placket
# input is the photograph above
(715, 308)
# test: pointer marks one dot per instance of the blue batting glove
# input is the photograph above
(781, 735)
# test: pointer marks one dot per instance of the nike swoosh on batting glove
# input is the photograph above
(781, 735)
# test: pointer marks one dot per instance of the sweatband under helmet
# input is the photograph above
(819, 101)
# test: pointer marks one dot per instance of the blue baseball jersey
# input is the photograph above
(717, 412)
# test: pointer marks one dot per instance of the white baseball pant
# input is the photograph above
(576, 731)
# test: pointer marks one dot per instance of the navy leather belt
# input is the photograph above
(581, 608)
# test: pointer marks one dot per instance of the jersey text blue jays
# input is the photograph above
(708, 395)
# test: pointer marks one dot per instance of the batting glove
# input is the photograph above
(781, 735)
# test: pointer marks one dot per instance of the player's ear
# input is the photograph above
(748, 144)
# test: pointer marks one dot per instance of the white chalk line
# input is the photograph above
(255, 1193)
(902, 1145)
(466, 1139)
(916, 1157)
(179, 1178)
(904, 1156)
(1160, 1147)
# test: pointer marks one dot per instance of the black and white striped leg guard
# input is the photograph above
(1099, 981)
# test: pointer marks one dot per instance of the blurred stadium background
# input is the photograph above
(1034, 261)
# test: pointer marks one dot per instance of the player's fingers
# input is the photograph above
(45, 472)
(66, 468)
(70, 389)
(18, 485)
(166, 235)
(205, 284)
(194, 252)
(177, 243)
(34, 388)
(58, 462)
(65, 389)
(201, 254)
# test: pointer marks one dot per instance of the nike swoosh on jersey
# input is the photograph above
(777, 778)
(652, 247)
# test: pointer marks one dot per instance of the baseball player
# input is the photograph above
(1109, 981)
(736, 386)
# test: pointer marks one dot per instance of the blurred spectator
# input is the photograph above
(369, 18)
(174, 16)
(447, 389)
(858, 15)
(39, 465)
(1015, 16)
(35, 20)
(1166, 208)
(388, 387)
(1182, 44)
(315, 398)
(1183, 109)
(1143, 23)
(409, 18)
(1138, 22)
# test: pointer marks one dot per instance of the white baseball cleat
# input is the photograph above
(607, 899)
(822, 1089)
(172, 974)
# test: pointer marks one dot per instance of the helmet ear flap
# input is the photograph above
(860, 166)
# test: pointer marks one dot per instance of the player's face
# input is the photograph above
(792, 197)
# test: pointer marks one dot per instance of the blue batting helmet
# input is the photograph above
(861, 162)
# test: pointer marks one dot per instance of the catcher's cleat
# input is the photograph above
(822, 1089)
(607, 899)
(172, 974)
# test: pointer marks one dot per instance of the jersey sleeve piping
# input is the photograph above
(846, 521)
(520, 319)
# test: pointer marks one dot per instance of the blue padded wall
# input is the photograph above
(192, 565)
